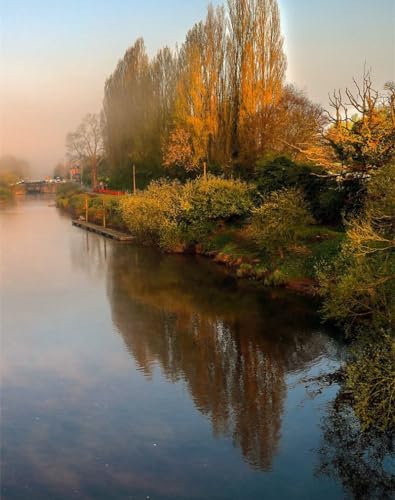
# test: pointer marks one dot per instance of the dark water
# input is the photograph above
(129, 374)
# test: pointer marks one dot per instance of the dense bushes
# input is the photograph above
(327, 200)
(67, 189)
(359, 291)
(152, 213)
(359, 286)
(280, 220)
(70, 198)
(370, 377)
(173, 215)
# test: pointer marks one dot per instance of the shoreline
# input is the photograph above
(227, 243)
(240, 267)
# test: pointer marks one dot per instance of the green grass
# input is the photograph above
(233, 246)
(315, 243)
(74, 203)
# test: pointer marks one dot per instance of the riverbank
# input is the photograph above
(72, 199)
(295, 269)
(226, 242)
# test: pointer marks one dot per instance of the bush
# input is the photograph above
(67, 189)
(280, 220)
(69, 197)
(169, 214)
(358, 291)
(149, 214)
(372, 384)
(205, 202)
(216, 198)
(380, 203)
(276, 278)
(359, 286)
(72, 200)
(326, 199)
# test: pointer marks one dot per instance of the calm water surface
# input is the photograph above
(130, 374)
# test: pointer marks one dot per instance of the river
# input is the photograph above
(126, 373)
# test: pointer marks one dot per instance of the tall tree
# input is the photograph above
(163, 75)
(61, 170)
(85, 144)
(138, 100)
(220, 99)
(199, 91)
(256, 67)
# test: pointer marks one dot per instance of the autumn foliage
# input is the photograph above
(219, 99)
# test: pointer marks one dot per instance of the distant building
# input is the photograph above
(75, 173)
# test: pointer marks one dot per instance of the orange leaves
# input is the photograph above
(178, 150)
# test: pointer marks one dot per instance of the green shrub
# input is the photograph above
(359, 286)
(77, 202)
(276, 278)
(380, 202)
(280, 220)
(73, 201)
(67, 189)
(370, 377)
(205, 202)
(69, 197)
(326, 199)
(216, 198)
(171, 215)
(358, 291)
(150, 213)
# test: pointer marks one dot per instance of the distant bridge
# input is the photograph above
(31, 187)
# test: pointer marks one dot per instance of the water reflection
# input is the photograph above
(364, 461)
(110, 349)
(232, 347)
(89, 254)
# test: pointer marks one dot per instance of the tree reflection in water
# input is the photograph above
(232, 347)
(363, 461)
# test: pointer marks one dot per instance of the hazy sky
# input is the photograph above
(56, 55)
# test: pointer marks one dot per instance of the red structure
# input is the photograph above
(109, 191)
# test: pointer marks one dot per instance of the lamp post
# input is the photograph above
(134, 178)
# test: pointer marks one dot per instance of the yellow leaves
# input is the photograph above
(168, 213)
(220, 88)
(179, 150)
(366, 140)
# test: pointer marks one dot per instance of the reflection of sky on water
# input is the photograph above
(168, 405)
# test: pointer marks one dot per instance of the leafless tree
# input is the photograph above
(85, 144)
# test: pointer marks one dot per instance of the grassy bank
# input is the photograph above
(226, 220)
(275, 239)
(71, 198)
(211, 217)
(295, 268)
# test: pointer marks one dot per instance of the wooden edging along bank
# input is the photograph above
(304, 286)
(103, 231)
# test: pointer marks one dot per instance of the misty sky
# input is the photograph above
(56, 55)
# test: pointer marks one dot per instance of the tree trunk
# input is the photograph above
(94, 173)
